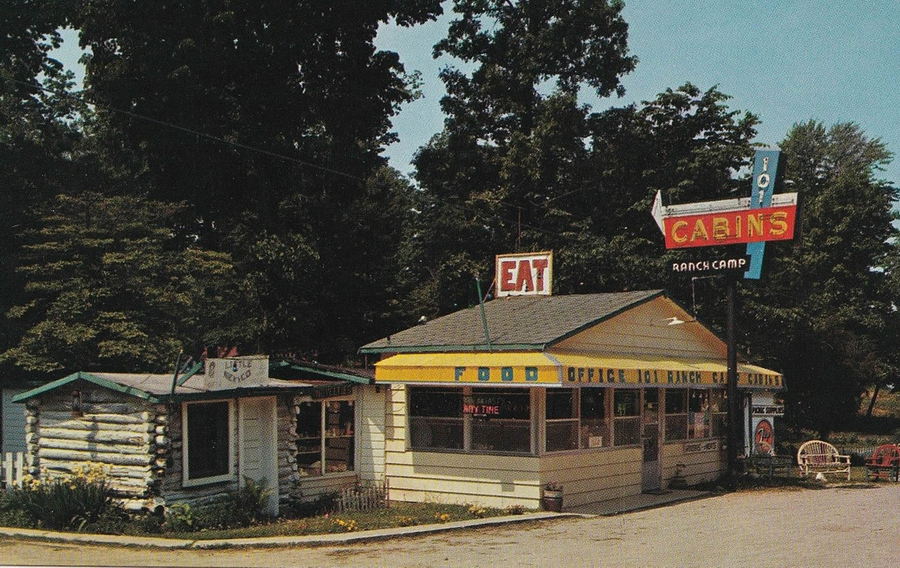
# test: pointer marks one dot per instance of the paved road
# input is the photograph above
(838, 527)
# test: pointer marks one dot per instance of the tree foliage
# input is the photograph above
(826, 310)
(110, 287)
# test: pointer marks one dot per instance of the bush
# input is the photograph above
(82, 500)
(240, 508)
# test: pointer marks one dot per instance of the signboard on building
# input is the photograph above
(236, 372)
(524, 274)
(753, 220)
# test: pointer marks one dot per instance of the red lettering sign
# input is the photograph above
(731, 227)
(524, 274)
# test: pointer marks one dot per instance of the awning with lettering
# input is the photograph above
(566, 369)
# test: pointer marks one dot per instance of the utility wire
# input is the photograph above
(187, 130)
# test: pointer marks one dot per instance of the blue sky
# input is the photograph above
(785, 61)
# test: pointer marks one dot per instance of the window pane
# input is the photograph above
(676, 427)
(435, 401)
(339, 436)
(625, 402)
(627, 431)
(207, 434)
(593, 424)
(501, 435)
(436, 418)
(676, 401)
(446, 433)
(560, 404)
(699, 425)
(562, 435)
(507, 427)
(309, 438)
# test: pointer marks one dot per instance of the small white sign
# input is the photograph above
(236, 372)
(525, 274)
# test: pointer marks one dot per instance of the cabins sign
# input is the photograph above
(754, 220)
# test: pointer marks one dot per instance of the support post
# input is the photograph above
(734, 406)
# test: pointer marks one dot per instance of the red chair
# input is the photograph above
(885, 460)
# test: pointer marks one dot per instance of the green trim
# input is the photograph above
(318, 371)
(193, 371)
(237, 393)
(455, 348)
(83, 376)
(603, 318)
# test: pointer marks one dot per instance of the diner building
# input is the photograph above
(608, 395)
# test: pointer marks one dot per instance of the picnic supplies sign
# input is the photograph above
(524, 274)
(752, 220)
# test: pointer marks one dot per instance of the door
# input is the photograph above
(650, 434)
(259, 445)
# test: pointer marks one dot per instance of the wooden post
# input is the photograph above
(734, 406)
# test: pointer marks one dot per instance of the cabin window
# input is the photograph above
(699, 414)
(325, 437)
(627, 423)
(208, 449)
(470, 419)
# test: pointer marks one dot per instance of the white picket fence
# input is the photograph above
(12, 470)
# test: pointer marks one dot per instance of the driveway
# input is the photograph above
(835, 527)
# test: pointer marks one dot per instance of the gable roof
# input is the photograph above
(515, 323)
(158, 388)
(294, 369)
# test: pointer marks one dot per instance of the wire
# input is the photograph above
(187, 130)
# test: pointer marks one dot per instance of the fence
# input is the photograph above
(362, 497)
(12, 469)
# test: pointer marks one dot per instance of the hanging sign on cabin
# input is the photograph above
(525, 274)
(754, 220)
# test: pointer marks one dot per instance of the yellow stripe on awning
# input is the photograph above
(469, 368)
(566, 369)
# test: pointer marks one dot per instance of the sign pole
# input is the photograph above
(734, 406)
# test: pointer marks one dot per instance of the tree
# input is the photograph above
(267, 119)
(826, 307)
(109, 286)
(522, 165)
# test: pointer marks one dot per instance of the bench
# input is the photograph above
(885, 461)
(769, 465)
(816, 457)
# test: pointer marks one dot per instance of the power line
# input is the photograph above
(187, 130)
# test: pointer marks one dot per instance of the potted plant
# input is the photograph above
(552, 497)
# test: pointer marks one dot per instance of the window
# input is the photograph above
(208, 455)
(627, 425)
(718, 400)
(325, 437)
(676, 414)
(699, 415)
(470, 419)
(436, 418)
(594, 425)
(562, 420)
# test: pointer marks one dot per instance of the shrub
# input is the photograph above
(76, 502)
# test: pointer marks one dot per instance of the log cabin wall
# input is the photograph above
(127, 435)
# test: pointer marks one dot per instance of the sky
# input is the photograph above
(785, 61)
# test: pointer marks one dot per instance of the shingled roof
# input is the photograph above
(515, 323)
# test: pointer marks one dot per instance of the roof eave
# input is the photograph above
(84, 376)
(453, 348)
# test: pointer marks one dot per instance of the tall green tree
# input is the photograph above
(522, 164)
(826, 305)
(110, 286)
(267, 119)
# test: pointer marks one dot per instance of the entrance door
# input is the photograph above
(650, 436)
(258, 445)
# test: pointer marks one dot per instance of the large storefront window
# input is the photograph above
(699, 415)
(325, 441)
(694, 413)
(472, 419)
(627, 409)
(576, 418)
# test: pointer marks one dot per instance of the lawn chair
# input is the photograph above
(885, 461)
(816, 457)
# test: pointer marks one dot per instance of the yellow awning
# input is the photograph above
(565, 369)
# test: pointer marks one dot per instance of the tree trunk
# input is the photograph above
(872, 402)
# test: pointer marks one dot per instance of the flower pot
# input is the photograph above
(552, 501)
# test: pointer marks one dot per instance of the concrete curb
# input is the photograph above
(275, 541)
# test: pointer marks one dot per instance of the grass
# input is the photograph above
(398, 515)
